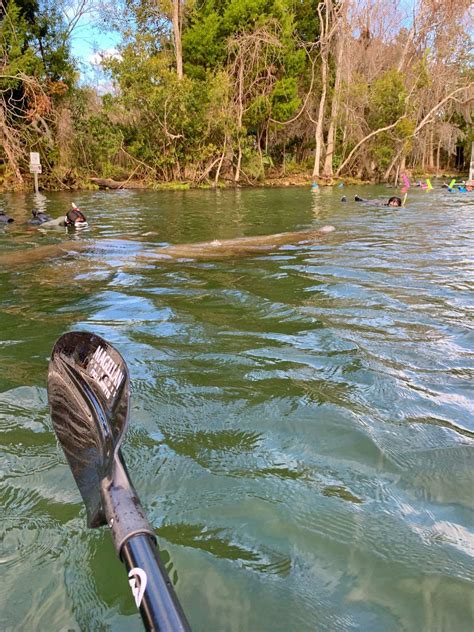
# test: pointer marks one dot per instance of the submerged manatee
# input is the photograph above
(216, 249)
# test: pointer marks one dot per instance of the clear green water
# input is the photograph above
(302, 422)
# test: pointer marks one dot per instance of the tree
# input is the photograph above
(35, 73)
(329, 12)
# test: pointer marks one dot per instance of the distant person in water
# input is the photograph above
(4, 218)
(74, 218)
(393, 201)
(39, 217)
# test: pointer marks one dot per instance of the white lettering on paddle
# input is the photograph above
(105, 371)
(137, 579)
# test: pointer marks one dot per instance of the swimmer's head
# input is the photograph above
(76, 217)
(394, 201)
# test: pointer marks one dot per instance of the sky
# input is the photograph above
(87, 42)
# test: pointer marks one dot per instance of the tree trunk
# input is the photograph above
(218, 172)
(364, 140)
(240, 116)
(471, 165)
(395, 160)
(108, 183)
(178, 48)
(319, 125)
(239, 162)
(397, 173)
(431, 149)
(328, 166)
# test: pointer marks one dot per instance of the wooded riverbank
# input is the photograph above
(231, 93)
(294, 180)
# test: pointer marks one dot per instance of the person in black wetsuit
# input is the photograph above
(39, 217)
(393, 201)
(4, 218)
(74, 218)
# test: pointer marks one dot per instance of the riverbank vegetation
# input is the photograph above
(234, 91)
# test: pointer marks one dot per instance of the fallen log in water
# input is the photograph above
(216, 249)
(108, 183)
(219, 249)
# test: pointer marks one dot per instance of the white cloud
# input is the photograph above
(95, 59)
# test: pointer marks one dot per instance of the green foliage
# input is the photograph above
(252, 161)
(102, 143)
(50, 38)
(405, 128)
(383, 150)
(173, 123)
(387, 97)
(33, 42)
(35, 76)
(386, 103)
(203, 44)
(306, 20)
(18, 56)
(244, 15)
(285, 98)
(249, 97)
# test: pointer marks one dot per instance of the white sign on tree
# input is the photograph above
(35, 167)
(34, 158)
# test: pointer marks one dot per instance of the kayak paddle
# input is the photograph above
(88, 392)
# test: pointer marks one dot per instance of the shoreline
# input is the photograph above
(291, 180)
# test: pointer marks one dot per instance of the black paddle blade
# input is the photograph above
(88, 392)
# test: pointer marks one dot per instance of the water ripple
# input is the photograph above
(301, 422)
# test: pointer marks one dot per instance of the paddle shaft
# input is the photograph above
(134, 540)
(159, 606)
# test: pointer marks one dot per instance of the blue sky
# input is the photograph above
(86, 42)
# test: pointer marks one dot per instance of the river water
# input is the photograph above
(301, 421)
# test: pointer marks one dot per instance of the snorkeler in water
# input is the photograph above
(393, 201)
(4, 218)
(39, 217)
(74, 218)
